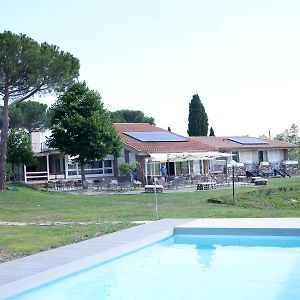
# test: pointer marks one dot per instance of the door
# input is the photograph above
(170, 168)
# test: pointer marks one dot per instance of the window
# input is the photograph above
(57, 165)
(236, 156)
(96, 164)
(99, 167)
(182, 168)
(72, 166)
(107, 163)
(153, 168)
(262, 156)
(72, 169)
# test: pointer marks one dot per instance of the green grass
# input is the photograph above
(21, 241)
(280, 198)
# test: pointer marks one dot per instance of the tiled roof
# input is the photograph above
(222, 143)
(191, 145)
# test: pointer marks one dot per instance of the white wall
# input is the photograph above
(248, 157)
(132, 157)
(251, 156)
(275, 156)
(37, 140)
(121, 159)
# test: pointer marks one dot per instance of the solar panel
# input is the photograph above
(155, 136)
(248, 140)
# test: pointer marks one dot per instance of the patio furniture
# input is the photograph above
(69, 185)
(220, 180)
(261, 181)
(113, 185)
(152, 188)
(177, 183)
(77, 183)
(59, 185)
(124, 185)
(100, 185)
(201, 186)
(254, 178)
(195, 179)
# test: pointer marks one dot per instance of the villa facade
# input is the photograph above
(54, 165)
(255, 154)
(153, 147)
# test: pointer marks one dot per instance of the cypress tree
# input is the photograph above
(198, 121)
(211, 132)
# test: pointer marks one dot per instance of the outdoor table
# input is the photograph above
(254, 178)
(152, 188)
(261, 181)
(242, 178)
(206, 185)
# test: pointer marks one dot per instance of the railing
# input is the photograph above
(39, 147)
(36, 175)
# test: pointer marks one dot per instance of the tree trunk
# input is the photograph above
(3, 143)
(84, 183)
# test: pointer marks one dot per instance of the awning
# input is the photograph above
(184, 156)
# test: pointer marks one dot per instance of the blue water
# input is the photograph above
(190, 267)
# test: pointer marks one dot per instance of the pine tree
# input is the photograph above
(211, 132)
(198, 121)
(28, 68)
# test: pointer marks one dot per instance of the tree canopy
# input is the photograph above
(289, 135)
(81, 127)
(28, 68)
(130, 116)
(29, 115)
(198, 121)
(19, 148)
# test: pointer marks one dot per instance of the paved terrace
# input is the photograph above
(30, 271)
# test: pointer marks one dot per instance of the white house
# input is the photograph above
(146, 143)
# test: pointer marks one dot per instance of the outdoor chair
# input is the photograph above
(100, 185)
(137, 184)
(59, 185)
(51, 185)
(177, 183)
(125, 185)
(195, 179)
(112, 185)
(77, 183)
(221, 181)
(161, 181)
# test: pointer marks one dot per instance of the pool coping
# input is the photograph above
(34, 270)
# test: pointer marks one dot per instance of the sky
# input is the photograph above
(241, 57)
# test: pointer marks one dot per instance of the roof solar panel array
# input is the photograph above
(155, 136)
(248, 140)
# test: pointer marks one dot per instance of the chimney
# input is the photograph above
(37, 141)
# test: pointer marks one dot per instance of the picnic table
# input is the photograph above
(257, 180)
(206, 185)
(152, 188)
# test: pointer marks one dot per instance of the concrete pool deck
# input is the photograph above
(28, 272)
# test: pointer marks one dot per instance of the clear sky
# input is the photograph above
(242, 57)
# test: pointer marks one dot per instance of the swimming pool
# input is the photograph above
(190, 267)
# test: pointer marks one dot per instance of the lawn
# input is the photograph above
(108, 213)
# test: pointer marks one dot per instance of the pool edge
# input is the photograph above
(139, 237)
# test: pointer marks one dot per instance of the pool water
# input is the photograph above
(190, 267)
